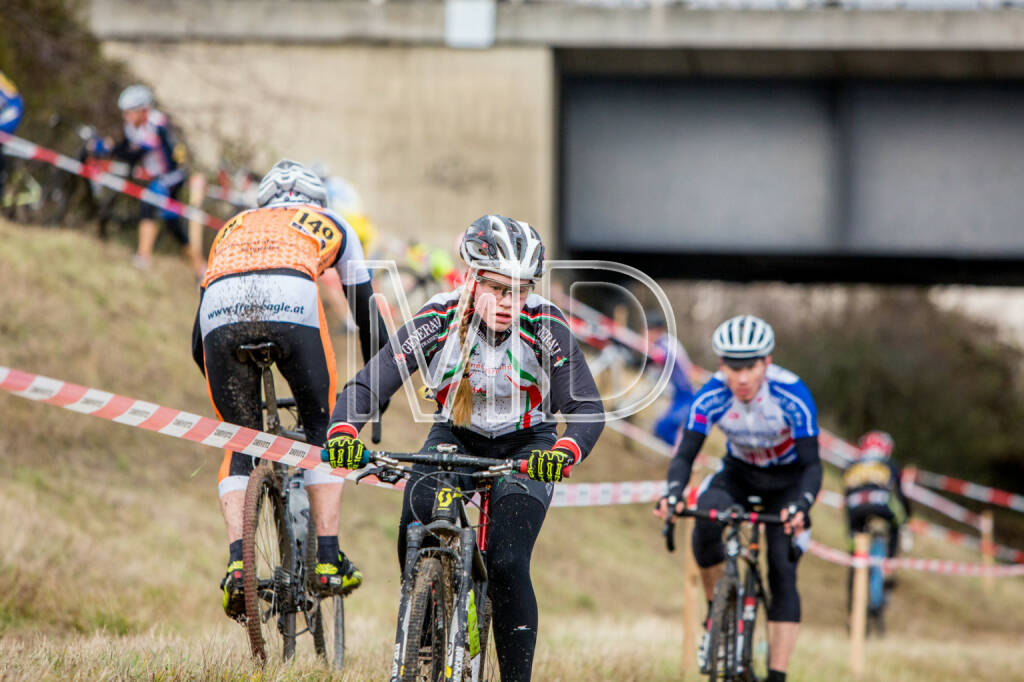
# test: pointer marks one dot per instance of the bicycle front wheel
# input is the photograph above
(722, 644)
(876, 586)
(267, 555)
(482, 665)
(426, 634)
(756, 649)
(326, 620)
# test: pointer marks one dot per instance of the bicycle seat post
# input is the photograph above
(264, 355)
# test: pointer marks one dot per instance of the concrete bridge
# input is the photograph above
(434, 136)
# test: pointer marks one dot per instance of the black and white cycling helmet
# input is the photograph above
(503, 245)
(743, 337)
(135, 97)
(289, 182)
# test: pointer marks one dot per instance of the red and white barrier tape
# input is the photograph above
(1002, 552)
(842, 558)
(29, 150)
(642, 436)
(605, 494)
(922, 527)
(232, 196)
(942, 505)
(218, 434)
(994, 496)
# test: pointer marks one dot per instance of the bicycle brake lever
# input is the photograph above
(668, 531)
(383, 473)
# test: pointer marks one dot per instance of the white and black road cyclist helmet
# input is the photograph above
(503, 245)
(136, 96)
(743, 337)
(289, 182)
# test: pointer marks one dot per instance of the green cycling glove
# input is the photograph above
(344, 450)
(547, 465)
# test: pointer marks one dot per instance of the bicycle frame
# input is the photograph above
(749, 587)
(287, 585)
(463, 547)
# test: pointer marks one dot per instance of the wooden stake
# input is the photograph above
(859, 606)
(988, 549)
(196, 194)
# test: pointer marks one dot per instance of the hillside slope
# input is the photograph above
(111, 542)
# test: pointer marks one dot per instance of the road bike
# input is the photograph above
(444, 613)
(737, 640)
(279, 545)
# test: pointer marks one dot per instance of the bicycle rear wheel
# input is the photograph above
(426, 634)
(876, 585)
(326, 619)
(267, 555)
(756, 649)
(722, 654)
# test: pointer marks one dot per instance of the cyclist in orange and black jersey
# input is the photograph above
(261, 285)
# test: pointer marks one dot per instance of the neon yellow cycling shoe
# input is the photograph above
(337, 578)
(234, 595)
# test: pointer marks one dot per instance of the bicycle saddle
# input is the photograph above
(263, 354)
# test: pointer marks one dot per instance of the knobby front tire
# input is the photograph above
(756, 649)
(722, 643)
(426, 636)
(326, 620)
(486, 668)
(266, 550)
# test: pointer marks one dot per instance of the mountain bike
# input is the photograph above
(738, 648)
(279, 545)
(444, 615)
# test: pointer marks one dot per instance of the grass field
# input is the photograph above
(111, 542)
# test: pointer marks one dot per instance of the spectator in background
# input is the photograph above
(148, 141)
(664, 349)
(12, 107)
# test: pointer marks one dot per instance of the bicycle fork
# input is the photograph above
(414, 541)
(457, 633)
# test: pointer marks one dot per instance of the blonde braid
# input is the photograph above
(462, 403)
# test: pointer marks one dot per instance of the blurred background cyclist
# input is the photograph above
(12, 108)
(665, 349)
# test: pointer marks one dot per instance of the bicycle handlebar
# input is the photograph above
(487, 466)
(723, 516)
(731, 516)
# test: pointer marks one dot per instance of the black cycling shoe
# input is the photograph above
(234, 595)
(341, 577)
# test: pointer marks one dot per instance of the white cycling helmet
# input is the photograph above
(503, 245)
(135, 97)
(743, 337)
(289, 182)
(875, 444)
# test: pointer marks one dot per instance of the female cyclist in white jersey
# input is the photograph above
(504, 361)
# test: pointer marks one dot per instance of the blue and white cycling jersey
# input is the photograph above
(668, 350)
(12, 106)
(762, 432)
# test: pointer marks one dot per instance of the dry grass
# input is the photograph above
(111, 543)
